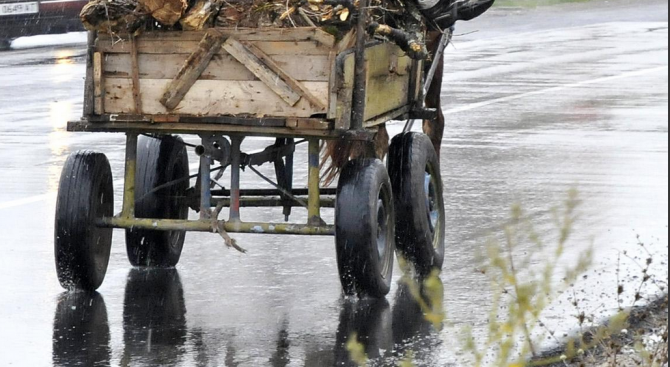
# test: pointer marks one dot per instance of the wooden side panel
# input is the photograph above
(222, 67)
(177, 46)
(389, 79)
(211, 98)
(389, 74)
(241, 34)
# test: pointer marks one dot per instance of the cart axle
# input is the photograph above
(208, 226)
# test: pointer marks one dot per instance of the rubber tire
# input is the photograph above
(86, 193)
(159, 161)
(362, 272)
(410, 155)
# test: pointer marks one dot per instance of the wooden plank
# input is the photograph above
(308, 124)
(324, 38)
(386, 93)
(304, 34)
(135, 74)
(146, 46)
(196, 128)
(222, 67)
(98, 84)
(89, 87)
(262, 71)
(332, 95)
(211, 98)
(345, 92)
(294, 84)
(191, 70)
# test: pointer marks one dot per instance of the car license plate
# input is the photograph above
(19, 8)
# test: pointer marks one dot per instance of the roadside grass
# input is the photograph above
(521, 295)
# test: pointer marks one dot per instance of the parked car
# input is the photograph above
(20, 18)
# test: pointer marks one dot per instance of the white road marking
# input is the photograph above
(478, 105)
(25, 201)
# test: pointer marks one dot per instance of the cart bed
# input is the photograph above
(130, 76)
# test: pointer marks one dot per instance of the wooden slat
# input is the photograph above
(386, 90)
(241, 34)
(211, 98)
(294, 84)
(89, 87)
(222, 67)
(135, 75)
(196, 128)
(191, 70)
(386, 93)
(178, 46)
(99, 84)
(262, 71)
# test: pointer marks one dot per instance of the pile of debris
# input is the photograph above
(397, 20)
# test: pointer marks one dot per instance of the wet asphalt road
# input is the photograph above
(538, 102)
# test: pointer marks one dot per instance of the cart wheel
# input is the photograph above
(365, 230)
(86, 193)
(418, 190)
(159, 161)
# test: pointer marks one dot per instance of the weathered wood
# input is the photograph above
(222, 67)
(308, 124)
(262, 71)
(196, 128)
(241, 34)
(294, 84)
(99, 84)
(332, 95)
(135, 75)
(176, 46)
(89, 87)
(211, 98)
(194, 66)
(386, 90)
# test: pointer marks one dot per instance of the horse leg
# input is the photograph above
(435, 128)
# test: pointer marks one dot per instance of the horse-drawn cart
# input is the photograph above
(295, 85)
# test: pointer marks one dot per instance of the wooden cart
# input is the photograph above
(295, 85)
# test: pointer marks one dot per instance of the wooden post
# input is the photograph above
(99, 84)
(360, 74)
(135, 66)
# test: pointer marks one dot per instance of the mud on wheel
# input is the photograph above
(418, 190)
(365, 228)
(85, 195)
(160, 162)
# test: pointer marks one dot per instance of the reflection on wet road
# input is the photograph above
(529, 116)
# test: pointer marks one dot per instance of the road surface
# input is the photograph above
(538, 101)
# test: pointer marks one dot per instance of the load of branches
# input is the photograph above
(396, 20)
